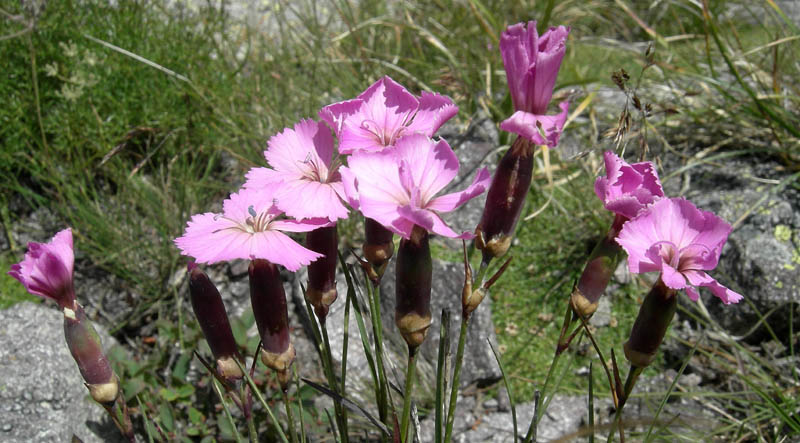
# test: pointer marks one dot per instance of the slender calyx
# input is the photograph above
(414, 273)
(85, 347)
(321, 290)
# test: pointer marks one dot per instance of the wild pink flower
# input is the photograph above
(627, 189)
(397, 187)
(248, 228)
(682, 242)
(383, 114)
(46, 270)
(304, 171)
(532, 63)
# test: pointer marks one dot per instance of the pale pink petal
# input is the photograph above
(309, 224)
(449, 202)
(378, 176)
(671, 277)
(433, 111)
(699, 278)
(432, 166)
(260, 178)
(386, 213)
(278, 248)
(304, 199)
(336, 114)
(692, 293)
(211, 238)
(244, 202)
(431, 222)
(540, 129)
(350, 185)
(300, 150)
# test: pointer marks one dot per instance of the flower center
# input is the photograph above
(382, 135)
(256, 222)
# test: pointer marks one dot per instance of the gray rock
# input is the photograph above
(762, 255)
(42, 397)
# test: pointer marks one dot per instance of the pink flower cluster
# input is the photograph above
(387, 166)
(668, 235)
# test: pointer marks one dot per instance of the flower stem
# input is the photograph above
(289, 416)
(462, 338)
(341, 418)
(630, 382)
(377, 328)
(412, 363)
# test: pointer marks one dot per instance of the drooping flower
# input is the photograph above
(47, 268)
(385, 113)
(398, 187)
(532, 63)
(627, 188)
(249, 227)
(682, 242)
(304, 171)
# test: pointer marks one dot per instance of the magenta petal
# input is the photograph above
(449, 202)
(433, 111)
(692, 293)
(259, 178)
(350, 185)
(540, 129)
(336, 114)
(671, 277)
(298, 151)
(519, 49)
(431, 166)
(46, 269)
(699, 278)
(542, 77)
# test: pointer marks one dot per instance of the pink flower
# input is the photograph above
(46, 270)
(304, 171)
(681, 241)
(397, 187)
(383, 114)
(627, 189)
(532, 63)
(248, 228)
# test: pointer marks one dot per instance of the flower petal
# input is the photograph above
(449, 202)
(540, 129)
(303, 199)
(278, 248)
(431, 222)
(699, 278)
(433, 111)
(301, 151)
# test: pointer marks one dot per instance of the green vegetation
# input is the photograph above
(124, 149)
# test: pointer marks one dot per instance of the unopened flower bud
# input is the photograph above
(505, 200)
(321, 290)
(413, 287)
(378, 245)
(471, 301)
(270, 311)
(84, 345)
(651, 324)
(210, 312)
(598, 271)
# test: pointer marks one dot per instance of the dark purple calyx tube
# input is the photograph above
(84, 345)
(272, 318)
(505, 200)
(651, 325)
(597, 273)
(321, 290)
(378, 244)
(414, 271)
(210, 312)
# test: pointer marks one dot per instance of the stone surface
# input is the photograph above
(42, 396)
(762, 256)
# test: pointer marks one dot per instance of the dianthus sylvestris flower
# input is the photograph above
(398, 187)
(385, 113)
(47, 268)
(532, 63)
(304, 171)
(249, 227)
(627, 188)
(682, 242)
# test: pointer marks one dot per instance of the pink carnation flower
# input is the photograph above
(532, 63)
(46, 270)
(398, 187)
(304, 172)
(383, 114)
(682, 242)
(248, 228)
(627, 189)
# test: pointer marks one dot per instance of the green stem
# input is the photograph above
(289, 416)
(412, 363)
(341, 419)
(630, 382)
(248, 414)
(377, 328)
(462, 338)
